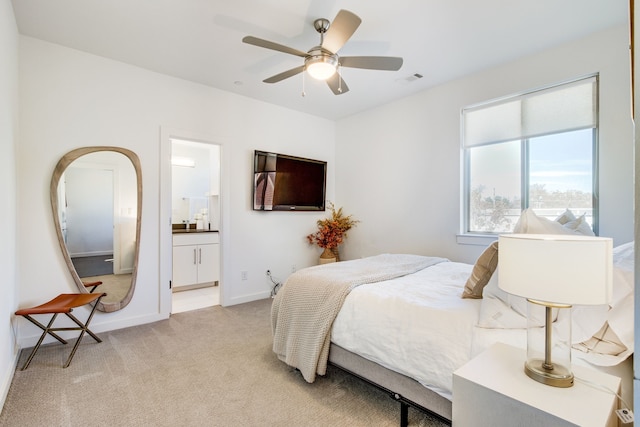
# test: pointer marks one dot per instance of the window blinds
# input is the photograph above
(567, 107)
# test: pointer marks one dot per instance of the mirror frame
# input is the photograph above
(60, 168)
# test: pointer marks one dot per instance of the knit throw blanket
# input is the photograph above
(304, 310)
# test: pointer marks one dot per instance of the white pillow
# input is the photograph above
(565, 217)
(623, 261)
(501, 310)
(495, 312)
(620, 315)
(588, 320)
(580, 225)
(530, 223)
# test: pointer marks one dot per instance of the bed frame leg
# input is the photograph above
(404, 410)
(404, 414)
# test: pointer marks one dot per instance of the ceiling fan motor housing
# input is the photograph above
(321, 64)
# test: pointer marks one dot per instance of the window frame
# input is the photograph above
(479, 237)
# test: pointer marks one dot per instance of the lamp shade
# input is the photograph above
(561, 269)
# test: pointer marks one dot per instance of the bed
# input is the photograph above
(408, 329)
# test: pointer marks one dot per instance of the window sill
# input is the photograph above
(476, 239)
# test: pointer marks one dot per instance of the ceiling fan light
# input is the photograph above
(321, 67)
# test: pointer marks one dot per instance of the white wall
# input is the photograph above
(71, 99)
(191, 186)
(398, 166)
(88, 202)
(8, 141)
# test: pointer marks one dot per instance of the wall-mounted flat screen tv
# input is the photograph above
(288, 183)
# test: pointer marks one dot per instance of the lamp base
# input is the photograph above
(556, 376)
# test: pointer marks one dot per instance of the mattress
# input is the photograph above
(417, 325)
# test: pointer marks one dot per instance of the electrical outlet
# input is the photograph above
(293, 268)
(244, 275)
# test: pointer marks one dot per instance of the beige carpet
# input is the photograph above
(209, 367)
(115, 285)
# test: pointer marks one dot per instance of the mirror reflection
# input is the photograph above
(95, 195)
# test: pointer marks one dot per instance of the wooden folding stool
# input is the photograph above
(63, 303)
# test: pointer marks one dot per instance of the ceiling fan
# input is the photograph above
(323, 62)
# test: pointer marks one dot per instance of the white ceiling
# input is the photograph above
(201, 40)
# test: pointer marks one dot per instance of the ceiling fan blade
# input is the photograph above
(342, 28)
(284, 75)
(337, 84)
(389, 63)
(273, 46)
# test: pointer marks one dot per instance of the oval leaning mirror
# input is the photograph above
(96, 198)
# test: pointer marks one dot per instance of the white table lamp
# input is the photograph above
(554, 272)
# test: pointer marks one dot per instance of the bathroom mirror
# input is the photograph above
(96, 200)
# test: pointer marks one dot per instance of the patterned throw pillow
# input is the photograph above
(605, 341)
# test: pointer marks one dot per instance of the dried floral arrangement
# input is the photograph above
(332, 231)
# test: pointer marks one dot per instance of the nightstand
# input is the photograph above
(493, 390)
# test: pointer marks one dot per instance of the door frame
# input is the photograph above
(165, 235)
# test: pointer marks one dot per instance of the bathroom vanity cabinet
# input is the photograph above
(196, 259)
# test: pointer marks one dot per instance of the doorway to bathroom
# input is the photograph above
(195, 223)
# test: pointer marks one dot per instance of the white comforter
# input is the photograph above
(305, 308)
(418, 325)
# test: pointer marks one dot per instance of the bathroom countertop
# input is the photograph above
(191, 230)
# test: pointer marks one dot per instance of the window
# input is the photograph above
(537, 150)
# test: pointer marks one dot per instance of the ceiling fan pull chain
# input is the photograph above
(303, 92)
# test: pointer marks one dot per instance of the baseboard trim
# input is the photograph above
(8, 378)
(27, 341)
(246, 298)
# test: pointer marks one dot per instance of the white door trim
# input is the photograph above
(165, 236)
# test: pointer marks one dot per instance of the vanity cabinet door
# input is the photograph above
(196, 259)
(208, 263)
(185, 267)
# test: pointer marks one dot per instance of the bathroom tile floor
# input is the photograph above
(195, 299)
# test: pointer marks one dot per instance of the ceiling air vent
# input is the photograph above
(410, 79)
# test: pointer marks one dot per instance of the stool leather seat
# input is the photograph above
(92, 285)
(63, 303)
